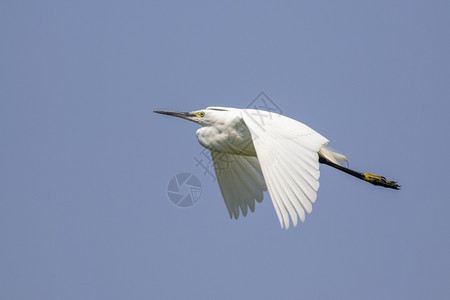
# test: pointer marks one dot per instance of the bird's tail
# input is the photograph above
(332, 158)
(333, 155)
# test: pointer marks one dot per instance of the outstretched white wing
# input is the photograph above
(240, 180)
(287, 151)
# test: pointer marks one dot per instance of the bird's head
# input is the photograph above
(204, 117)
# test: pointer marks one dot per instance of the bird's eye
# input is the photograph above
(201, 114)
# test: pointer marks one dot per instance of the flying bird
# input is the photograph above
(256, 150)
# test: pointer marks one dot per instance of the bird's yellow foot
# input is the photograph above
(380, 180)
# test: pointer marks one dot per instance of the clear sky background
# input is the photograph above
(85, 164)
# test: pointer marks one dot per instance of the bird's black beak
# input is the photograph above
(184, 115)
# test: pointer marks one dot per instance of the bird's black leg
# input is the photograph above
(369, 177)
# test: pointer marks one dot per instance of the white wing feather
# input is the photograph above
(240, 180)
(287, 151)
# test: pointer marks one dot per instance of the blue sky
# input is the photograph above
(85, 164)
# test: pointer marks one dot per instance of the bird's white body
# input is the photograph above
(256, 150)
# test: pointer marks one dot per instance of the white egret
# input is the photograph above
(255, 150)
